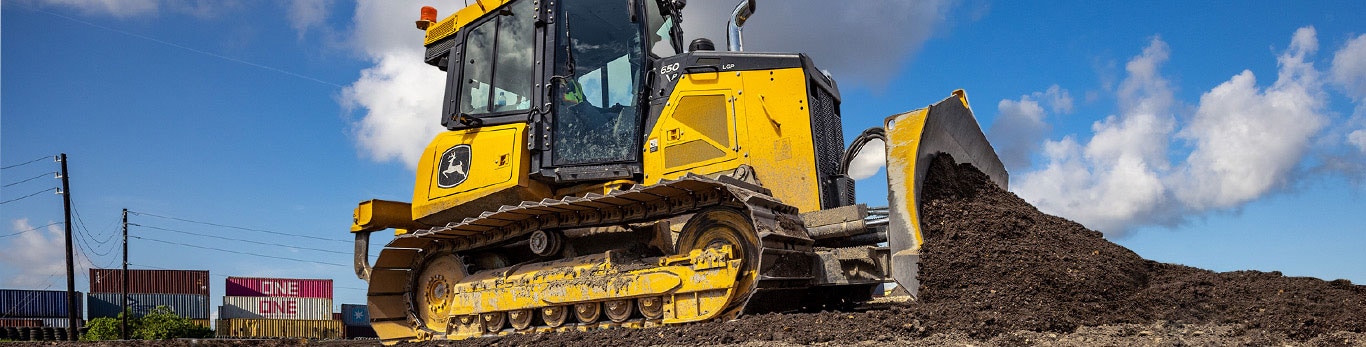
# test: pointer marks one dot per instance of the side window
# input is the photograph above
(516, 63)
(498, 62)
(474, 96)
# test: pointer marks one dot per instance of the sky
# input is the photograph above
(241, 134)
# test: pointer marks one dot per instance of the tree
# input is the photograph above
(160, 324)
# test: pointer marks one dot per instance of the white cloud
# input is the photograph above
(1348, 73)
(869, 160)
(1349, 68)
(1021, 125)
(400, 96)
(1113, 177)
(36, 256)
(1246, 142)
(1059, 100)
(1358, 138)
(1018, 130)
(859, 42)
(308, 15)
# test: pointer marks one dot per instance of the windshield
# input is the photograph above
(599, 55)
(498, 66)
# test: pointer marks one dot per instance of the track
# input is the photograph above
(765, 239)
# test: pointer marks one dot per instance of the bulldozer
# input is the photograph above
(596, 172)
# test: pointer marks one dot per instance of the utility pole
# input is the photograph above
(71, 309)
(123, 327)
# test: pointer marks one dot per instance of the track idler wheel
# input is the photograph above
(722, 226)
(587, 312)
(432, 289)
(618, 310)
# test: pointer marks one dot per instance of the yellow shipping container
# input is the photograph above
(279, 328)
(202, 323)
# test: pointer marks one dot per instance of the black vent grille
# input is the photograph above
(437, 50)
(828, 134)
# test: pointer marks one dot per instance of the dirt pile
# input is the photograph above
(996, 270)
(993, 263)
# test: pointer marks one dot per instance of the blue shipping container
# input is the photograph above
(355, 315)
(20, 303)
(192, 306)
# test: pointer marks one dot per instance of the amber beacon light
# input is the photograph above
(427, 18)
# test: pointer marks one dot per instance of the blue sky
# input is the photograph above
(1225, 137)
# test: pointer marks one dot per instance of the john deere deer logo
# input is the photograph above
(455, 166)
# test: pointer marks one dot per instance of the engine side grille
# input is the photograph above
(828, 134)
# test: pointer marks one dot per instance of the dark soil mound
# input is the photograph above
(992, 264)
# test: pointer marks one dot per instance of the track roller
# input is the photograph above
(554, 316)
(520, 319)
(587, 312)
(493, 322)
(618, 310)
(651, 307)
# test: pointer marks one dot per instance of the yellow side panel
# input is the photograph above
(717, 121)
(494, 163)
(779, 135)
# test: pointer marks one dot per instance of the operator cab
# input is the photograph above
(575, 71)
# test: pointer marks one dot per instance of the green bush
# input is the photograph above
(159, 324)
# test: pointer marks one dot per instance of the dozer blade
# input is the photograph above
(914, 139)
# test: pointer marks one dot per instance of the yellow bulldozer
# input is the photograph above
(596, 172)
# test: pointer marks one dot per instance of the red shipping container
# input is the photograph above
(336, 316)
(286, 287)
(21, 323)
(150, 281)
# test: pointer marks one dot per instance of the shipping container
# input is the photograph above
(185, 305)
(202, 323)
(356, 332)
(151, 281)
(20, 303)
(16, 322)
(291, 287)
(279, 328)
(337, 316)
(60, 322)
(276, 308)
(355, 315)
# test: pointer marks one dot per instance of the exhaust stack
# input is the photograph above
(742, 12)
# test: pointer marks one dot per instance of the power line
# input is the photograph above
(23, 163)
(238, 252)
(27, 196)
(80, 222)
(29, 179)
(83, 240)
(237, 227)
(34, 229)
(211, 54)
(239, 240)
